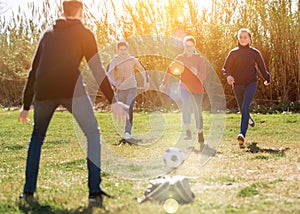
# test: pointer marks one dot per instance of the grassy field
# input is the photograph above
(232, 181)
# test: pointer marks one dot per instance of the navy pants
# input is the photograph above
(82, 110)
(244, 95)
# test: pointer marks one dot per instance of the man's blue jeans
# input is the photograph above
(83, 113)
(128, 97)
(244, 95)
(195, 101)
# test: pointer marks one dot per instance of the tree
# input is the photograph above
(275, 25)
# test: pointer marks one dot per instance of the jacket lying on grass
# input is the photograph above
(166, 187)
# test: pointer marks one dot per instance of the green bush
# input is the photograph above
(290, 107)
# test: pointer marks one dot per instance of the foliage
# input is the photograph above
(275, 26)
(287, 107)
(18, 40)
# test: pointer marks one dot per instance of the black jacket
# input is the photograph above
(241, 63)
(55, 68)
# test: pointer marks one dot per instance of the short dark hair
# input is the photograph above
(122, 43)
(189, 39)
(71, 7)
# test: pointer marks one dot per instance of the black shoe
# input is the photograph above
(96, 199)
(28, 198)
(188, 135)
(251, 122)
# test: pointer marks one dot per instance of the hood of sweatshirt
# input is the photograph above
(67, 23)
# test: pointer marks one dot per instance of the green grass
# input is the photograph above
(233, 181)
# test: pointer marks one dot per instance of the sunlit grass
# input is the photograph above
(233, 181)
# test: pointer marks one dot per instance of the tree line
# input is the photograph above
(275, 26)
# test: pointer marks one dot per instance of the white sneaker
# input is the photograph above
(241, 140)
(127, 136)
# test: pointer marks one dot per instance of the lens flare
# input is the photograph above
(176, 68)
(170, 205)
(158, 126)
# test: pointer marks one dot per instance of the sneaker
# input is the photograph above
(28, 198)
(188, 135)
(251, 122)
(127, 136)
(96, 199)
(241, 140)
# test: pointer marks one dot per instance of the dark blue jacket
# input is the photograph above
(55, 68)
(242, 63)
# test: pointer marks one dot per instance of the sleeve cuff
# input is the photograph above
(26, 108)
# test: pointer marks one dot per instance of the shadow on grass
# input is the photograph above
(38, 208)
(208, 151)
(135, 142)
(253, 148)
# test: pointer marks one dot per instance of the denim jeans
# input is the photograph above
(128, 97)
(189, 98)
(82, 110)
(244, 95)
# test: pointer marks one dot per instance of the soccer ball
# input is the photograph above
(173, 157)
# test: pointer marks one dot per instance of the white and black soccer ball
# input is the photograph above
(173, 157)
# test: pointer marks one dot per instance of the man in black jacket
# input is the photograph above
(54, 80)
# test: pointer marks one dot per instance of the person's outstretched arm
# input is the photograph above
(263, 70)
(110, 73)
(28, 92)
(227, 69)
